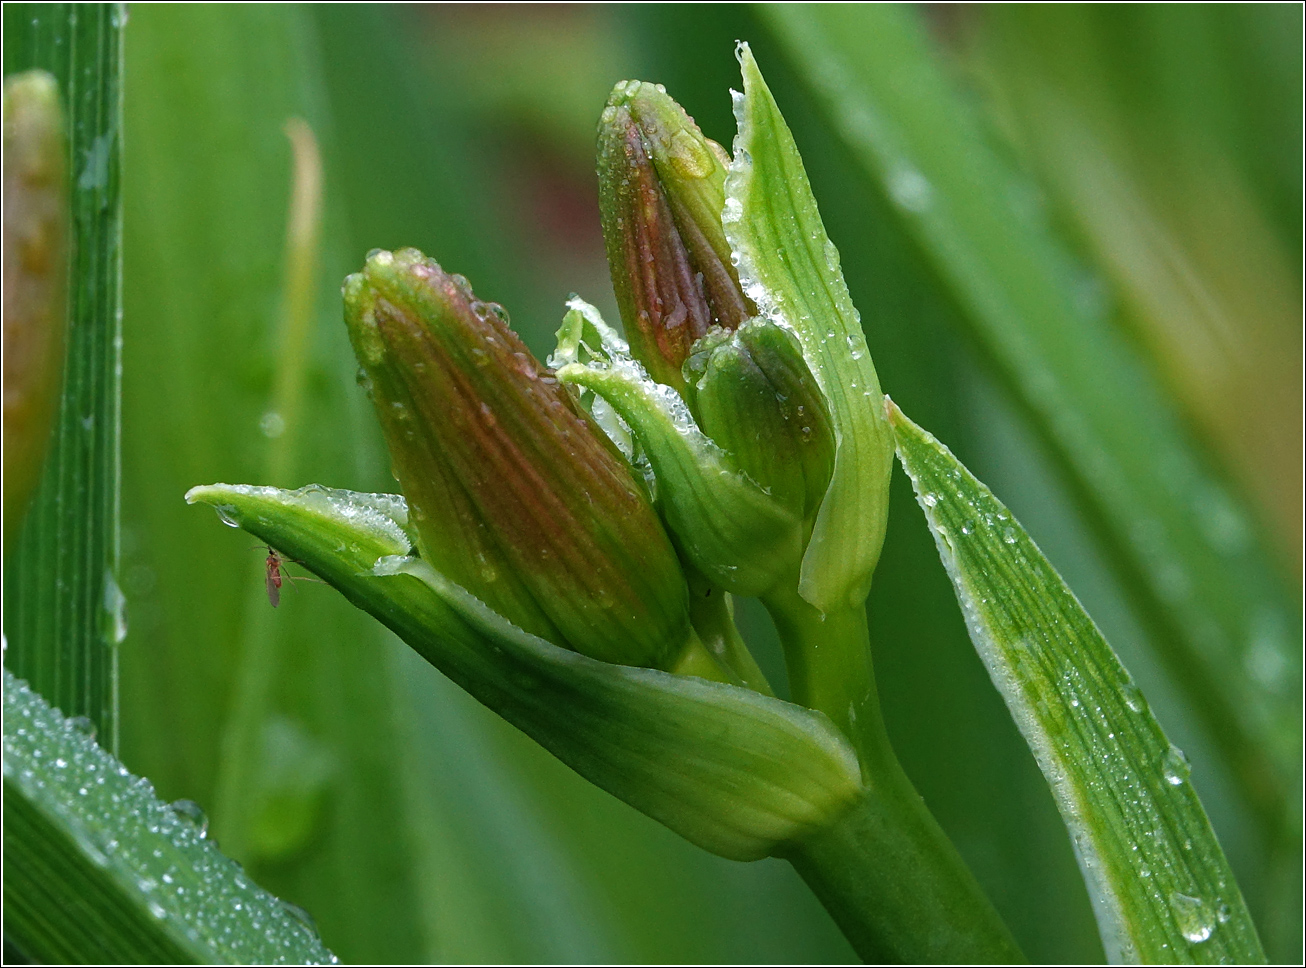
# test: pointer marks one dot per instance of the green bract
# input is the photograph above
(740, 774)
(790, 269)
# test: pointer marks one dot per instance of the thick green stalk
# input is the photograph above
(897, 887)
(886, 871)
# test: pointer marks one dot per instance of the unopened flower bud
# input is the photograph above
(755, 397)
(35, 280)
(515, 493)
(661, 192)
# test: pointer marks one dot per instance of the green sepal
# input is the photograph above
(740, 774)
(790, 269)
(752, 393)
(724, 523)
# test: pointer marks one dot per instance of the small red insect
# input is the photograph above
(274, 564)
(276, 560)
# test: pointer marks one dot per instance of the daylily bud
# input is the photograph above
(755, 397)
(35, 280)
(661, 192)
(515, 493)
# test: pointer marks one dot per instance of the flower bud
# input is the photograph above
(35, 280)
(755, 397)
(515, 494)
(661, 192)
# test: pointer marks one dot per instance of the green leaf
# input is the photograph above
(738, 773)
(1161, 887)
(1181, 543)
(790, 269)
(98, 869)
(64, 610)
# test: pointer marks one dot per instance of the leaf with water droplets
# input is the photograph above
(1161, 887)
(98, 869)
(1179, 542)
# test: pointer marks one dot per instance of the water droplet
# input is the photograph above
(300, 915)
(363, 380)
(1193, 916)
(115, 611)
(1223, 914)
(1009, 535)
(930, 500)
(60, 763)
(193, 814)
(95, 173)
(1175, 766)
(910, 189)
(83, 725)
(1133, 697)
(272, 424)
(228, 515)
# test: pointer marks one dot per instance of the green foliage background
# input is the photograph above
(352, 779)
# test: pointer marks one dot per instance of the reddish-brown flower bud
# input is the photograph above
(661, 192)
(515, 493)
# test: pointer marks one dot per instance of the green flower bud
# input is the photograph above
(35, 280)
(754, 396)
(516, 494)
(661, 191)
(725, 523)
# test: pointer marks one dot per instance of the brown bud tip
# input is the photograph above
(661, 193)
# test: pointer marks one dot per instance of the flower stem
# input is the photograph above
(897, 887)
(885, 870)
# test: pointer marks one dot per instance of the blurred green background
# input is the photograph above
(1162, 147)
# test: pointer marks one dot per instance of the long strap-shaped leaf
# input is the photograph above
(98, 869)
(1161, 887)
(64, 612)
(1183, 548)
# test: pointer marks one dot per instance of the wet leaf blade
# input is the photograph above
(1182, 545)
(1162, 889)
(63, 607)
(277, 721)
(98, 869)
